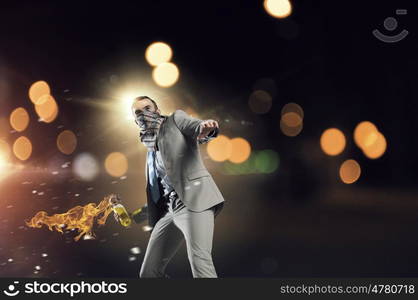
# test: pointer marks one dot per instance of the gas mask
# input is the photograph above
(149, 124)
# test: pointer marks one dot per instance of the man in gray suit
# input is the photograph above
(182, 197)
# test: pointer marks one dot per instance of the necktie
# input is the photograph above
(152, 177)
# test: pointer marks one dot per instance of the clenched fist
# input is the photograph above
(206, 127)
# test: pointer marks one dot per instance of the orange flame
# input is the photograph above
(79, 217)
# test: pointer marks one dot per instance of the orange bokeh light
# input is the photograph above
(333, 141)
(241, 150)
(220, 148)
(22, 148)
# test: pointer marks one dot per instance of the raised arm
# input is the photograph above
(202, 130)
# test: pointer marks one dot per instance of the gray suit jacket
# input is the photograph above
(177, 142)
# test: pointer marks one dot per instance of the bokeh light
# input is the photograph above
(158, 53)
(293, 107)
(67, 142)
(278, 8)
(38, 90)
(85, 166)
(166, 74)
(260, 102)
(350, 171)
(22, 148)
(377, 148)
(240, 150)
(333, 141)
(116, 164)
(219, 149)
(267, 161)
(365, 134)
(47, 110)
(292, 119)
(290, 131)
(19, 119)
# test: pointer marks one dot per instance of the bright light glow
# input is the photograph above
(365, 134)
(47, 110)
(158, 53)
(116, 164)
(38, 90)
(220, 148)
(376, 149)
(22, 148)
(241, 150)
(260, 102)
(350, 171)
(19, 119)
(165, 74)
(67, 142)
(333, 141)
(4, 149)
(85, 166)
(278, 8)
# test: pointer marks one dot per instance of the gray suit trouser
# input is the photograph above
(179, 224)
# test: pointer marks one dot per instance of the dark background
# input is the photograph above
(299, 221)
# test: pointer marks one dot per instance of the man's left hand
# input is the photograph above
(206, 127)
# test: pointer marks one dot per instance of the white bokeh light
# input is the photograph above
(85, 166)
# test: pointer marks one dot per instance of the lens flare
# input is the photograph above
(278, 8)
(67, 142)
(158, 53)
(19, 119)
(38, 90)
(22, 148)
(241, 150)
(376, 149)
(47, 110)
(116, 164)
(80, 218)
(85, 167)
(219, 149)
(165, 74)
(333, 141)
(350, 171)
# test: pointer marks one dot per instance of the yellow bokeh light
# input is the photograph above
(38, 90)
(67, 142)
(19, 119)
(260, 102)
(365, 134)
(350, 171)
(290, 131)
(291, 119)
(22, 148)
(158, 53)
(165, 74)
(278, 8)
(116, 164)
(241, 150)
(220, 148)
(48, 109)
(292, 107)
(376, 149)
(333, 141)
